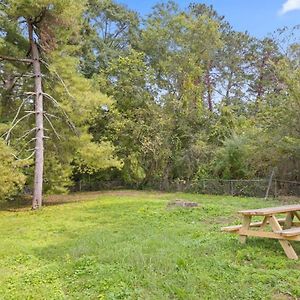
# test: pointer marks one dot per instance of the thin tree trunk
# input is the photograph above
(39, 120)
(209, 88)
(260, 83)
(229, 85)
(260, 88)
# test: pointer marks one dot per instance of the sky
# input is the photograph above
(258, 17)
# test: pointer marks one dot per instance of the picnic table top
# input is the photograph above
(271, 210)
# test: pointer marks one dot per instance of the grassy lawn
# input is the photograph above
(127, 245)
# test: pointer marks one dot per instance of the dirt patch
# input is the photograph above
(182, 203)
(79, 196)
(24, 203)
(73, 197)
(281, 296)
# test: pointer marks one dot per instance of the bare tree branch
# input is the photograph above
(31, 155)
(26, 134)
(24, 146)
(57, 135)
(60, 79)
(18, 111)
(69, 122)
(10, 58)
(7, 133)
(52, 99)
(51, 115)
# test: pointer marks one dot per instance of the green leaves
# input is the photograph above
(12, 178)
(92, 157)
(71, 101)
(231, 161)
(180, 96)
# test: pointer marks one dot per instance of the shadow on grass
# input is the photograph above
(270, 244)
(24, 202)
(20, 203)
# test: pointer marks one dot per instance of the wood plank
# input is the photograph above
(286, 245)
(245, 226)
(264, 223)
(231, 228)
(253, 224)
(267, 234)
(289, 232)
(271, 210)
(288, 220)
(256, 224)
(297, 214)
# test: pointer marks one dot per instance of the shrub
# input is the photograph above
(11, 177)
(231, 159)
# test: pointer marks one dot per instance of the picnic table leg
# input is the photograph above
(245, 226)
(297, 214)
(288, 220)
(286, 245)
(264, 223)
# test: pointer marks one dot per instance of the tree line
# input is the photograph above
(93, 90)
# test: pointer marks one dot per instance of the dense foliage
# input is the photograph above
(178, 95)
(11, 177)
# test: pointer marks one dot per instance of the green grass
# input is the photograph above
(127, 245)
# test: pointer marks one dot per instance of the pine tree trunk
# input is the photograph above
(39, 120)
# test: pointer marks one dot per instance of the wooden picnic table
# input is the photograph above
(284, 229)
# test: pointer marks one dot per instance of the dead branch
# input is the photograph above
(7, 133)
(60, 79)
(49, 121)
(26, 134)
(18, 111)
(69, 122)
(15, 118)
(24, 146)
(51, 115)
(27, 158)
(10, 58)
(52, 99)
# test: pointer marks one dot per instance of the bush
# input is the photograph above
(12, 179)
(56, 176)
(231, 159)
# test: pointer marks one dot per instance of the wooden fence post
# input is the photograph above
(269, 185)
(231, 188)
(275, 189)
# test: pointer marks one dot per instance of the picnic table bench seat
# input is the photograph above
(254, 224)
(289, 232)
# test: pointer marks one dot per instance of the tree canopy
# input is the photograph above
(176, 95)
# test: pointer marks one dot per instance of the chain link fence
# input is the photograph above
(236, 187)
(251, 188)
